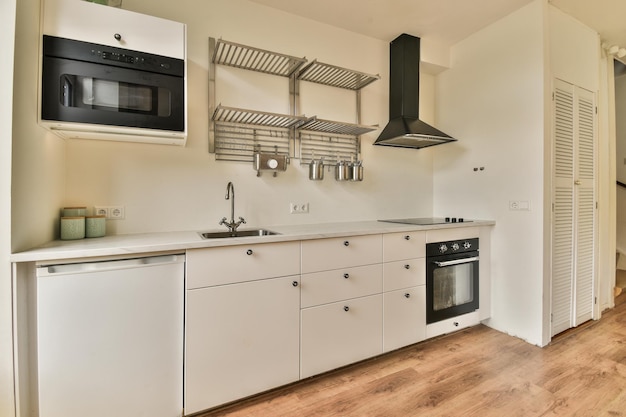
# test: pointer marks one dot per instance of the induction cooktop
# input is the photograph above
(425, 221)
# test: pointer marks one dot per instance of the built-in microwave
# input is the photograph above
(92, 91)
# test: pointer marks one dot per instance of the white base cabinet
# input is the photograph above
(241, 339)
(337, 334)
(342, 305)
(265, 315)
(404, 317)
(242, 326)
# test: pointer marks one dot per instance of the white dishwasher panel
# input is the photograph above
(110, 338)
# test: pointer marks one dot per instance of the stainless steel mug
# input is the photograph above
(316, 170)
(342, 171)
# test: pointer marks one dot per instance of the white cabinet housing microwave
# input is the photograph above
(112, 74)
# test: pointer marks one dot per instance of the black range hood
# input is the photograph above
(405, 129)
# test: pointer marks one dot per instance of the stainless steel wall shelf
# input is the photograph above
(255, 59)
(224, 114)
(318, 72)
(235, 134)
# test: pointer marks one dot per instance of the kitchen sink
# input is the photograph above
(238, 233)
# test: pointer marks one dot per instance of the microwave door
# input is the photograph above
(102, 94)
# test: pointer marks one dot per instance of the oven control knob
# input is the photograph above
(443, 248)
(467, 245)
(455, 246)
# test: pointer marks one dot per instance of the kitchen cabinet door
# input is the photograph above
(404, 317)
(241, 339)
(337, 334)
(95, 23)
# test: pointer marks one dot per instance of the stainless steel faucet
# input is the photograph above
(232, 225)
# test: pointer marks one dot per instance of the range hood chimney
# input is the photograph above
(405, 129)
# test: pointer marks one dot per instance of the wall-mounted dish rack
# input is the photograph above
(235, 134)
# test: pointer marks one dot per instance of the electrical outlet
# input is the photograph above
(110, 212)
(101, 211)
(116, 212)
(298, 208)
(517, 205)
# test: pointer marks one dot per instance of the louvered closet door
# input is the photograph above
(563, 209)
(573, 222)
(585, 207)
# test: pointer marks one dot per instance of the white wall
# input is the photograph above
(38, 183)
(169, 188)
(492, 100)
(7, 39)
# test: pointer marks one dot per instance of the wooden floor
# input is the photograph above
(474, 372)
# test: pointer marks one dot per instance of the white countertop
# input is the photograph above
(133, 244)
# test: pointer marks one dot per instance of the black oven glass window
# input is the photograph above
(108, 95)
(453, 286)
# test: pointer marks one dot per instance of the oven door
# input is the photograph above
(451, 286)
(93, 93)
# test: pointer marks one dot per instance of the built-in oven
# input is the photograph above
(89, 84)
(451, 279)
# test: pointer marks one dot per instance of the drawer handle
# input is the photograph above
(407, 266)
(456, 324)
(295, 283)
(407, 295)
(117, 37)
(249, 252)
(346, 308)
(346, 243)
(346, 275)
(407, 237)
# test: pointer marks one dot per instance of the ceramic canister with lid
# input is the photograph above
(95, 226)
(72, 228)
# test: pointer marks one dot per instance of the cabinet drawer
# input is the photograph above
(440, 235)
(338, 334)
(404, 274)
(340, 284)
(91, 22)
(404, 245)
(404, 317)
(231, 264)
(453, 324)
(335, 253)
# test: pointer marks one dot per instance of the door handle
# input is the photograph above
(456, 261)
